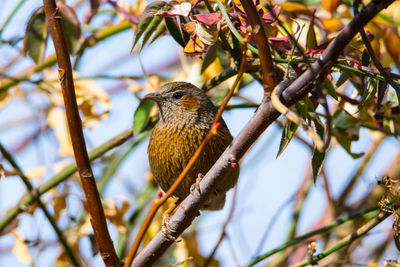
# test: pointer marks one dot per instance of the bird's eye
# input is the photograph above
(177, 95)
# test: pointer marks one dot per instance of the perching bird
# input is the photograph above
(186, 116)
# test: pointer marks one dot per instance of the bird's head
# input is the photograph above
(180, 100)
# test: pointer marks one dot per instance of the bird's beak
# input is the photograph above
(154, 96)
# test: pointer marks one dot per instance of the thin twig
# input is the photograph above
(96, 211)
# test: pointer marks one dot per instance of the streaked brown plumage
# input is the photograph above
(186, 115)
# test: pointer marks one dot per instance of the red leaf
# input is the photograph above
(209, 19)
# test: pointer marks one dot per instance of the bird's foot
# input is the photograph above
(196, 185)
(166, 228)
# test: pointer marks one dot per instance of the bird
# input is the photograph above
(186, 115)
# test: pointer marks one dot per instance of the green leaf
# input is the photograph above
(368, 95)
(318, 157)
(305, 108)
(317, 162)
(224, 58)
(346, 129)
(160, 30)
(343, 120)
(177, 33)
(152, 29)
(382, 91)
(328, 86)
(148, 21)
(344, 76)
(287, 134)
(311, 40)
(71, 26)
(142, 115)
(365, 58)
(209, 58)
(35, 35)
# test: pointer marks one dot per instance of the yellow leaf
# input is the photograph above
(20, 248)
(7, 95)
(115, 213)
(392, 42)
(189, 27)
(295, 8)
(331, 5)
(92, 100)
(213, 69)
(36, 172)
(56, 119)
(88, 94)
(59, 202)
(393, 11)
(376, 31)
(181, 253)
(194, 47)
(333, 24)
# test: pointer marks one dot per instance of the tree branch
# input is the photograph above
(94, 204)
(264, 52)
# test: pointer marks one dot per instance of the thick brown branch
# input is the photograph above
(96, 211)
(264, 116)
(260, 35)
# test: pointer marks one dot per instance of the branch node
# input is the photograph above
(87, 174)
(105, 256)
(56, 14)
(61, 74)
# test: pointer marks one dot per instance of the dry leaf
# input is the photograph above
(392, 42)
(36, 172)
(59, 201)
(20, 248)
(295, 8)
(181, 253)
(207, 34)
(182, 9)
(189, 27)
(213, 69)
(331, 5)
(333, 24)
(194, 47)
(115, 214)
(56, 119)
(2, 171)
(89, 96)
(7, 95)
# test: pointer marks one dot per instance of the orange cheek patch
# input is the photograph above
(190, 102)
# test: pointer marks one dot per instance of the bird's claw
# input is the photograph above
(166, 228)
(196, 185)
